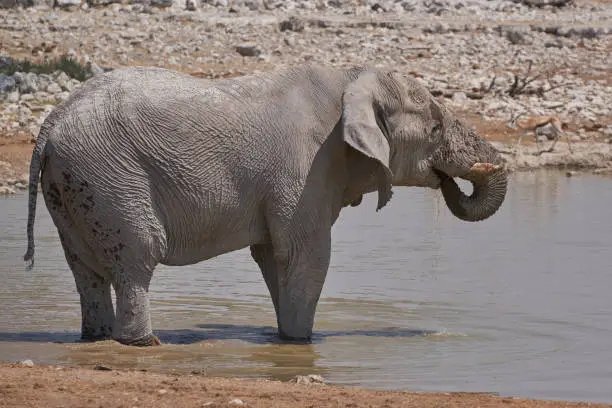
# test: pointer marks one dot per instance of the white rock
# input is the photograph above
(237, 402)
(54, 88)
(62, 79)
(62, 96)
(13, 97)
(309, 379)
(6, 190)
(459, 97)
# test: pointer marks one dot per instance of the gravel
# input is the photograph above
(469, 52)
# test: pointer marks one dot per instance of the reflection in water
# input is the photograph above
(543, 188)
(414, 299)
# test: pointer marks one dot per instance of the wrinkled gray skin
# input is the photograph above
(143, 166)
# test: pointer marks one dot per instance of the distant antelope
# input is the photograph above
(532, 124)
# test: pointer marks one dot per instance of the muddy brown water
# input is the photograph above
(415, 300)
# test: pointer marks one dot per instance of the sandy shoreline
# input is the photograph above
(61, 386)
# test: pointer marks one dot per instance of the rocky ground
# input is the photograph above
(486, 59)
(34, 386)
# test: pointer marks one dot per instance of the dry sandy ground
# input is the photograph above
(48, 386)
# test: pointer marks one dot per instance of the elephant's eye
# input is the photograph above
(436, 129)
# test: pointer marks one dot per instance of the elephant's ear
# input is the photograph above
(361, 130)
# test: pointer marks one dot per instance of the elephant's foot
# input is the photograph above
(146, 341)
(133, 321)
(97, 327)
(295, 339)
(90, 338)
(294, 332)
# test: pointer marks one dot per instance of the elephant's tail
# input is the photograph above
(36, 165)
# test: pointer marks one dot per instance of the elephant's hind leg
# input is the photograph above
(133, 321)
(131, 259)
(97, 315)
(105, 244)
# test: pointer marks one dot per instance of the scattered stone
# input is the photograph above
(544, 3)
(7, 190)
(249, 50)
(292, 24)
(94, 68)
(161, 3)
(101, 367)
(606, 170)
(54, 88)
(518, 36)
(571, 173)
(308, 379)
(13, 97)
(7, 83)
(67, 3)
(26, 82)
(5, 61)
(459, 97)
(438, 28)
(377, 7)
(62, 79)
(457, 57)
(586, 32)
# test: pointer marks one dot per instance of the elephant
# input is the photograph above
(143, 166)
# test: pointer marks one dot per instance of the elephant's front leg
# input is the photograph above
(301, 274)
(263, 254)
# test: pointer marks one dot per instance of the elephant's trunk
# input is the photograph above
(488, 195)
(472, 158)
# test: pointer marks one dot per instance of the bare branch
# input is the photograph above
(520, 84)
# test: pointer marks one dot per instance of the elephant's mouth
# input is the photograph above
(490, 183)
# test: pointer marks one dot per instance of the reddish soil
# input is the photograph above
(48, 386)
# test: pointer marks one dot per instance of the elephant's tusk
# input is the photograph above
(484, 168)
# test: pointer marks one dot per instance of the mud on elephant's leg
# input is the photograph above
(96, 303)
(301, 275)
(97, 315)
(133, 321)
